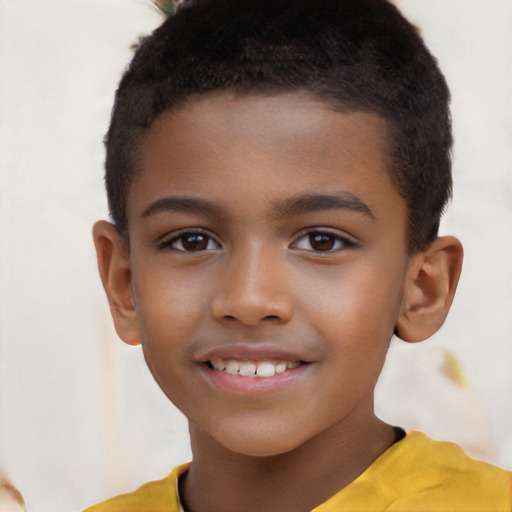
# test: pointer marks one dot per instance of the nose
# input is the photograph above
(253, 289)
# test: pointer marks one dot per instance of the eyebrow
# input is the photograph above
(183, 204)
(306, 203)
(297, 205)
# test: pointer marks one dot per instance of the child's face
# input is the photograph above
(266, 229)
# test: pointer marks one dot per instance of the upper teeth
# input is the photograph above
(253, 368)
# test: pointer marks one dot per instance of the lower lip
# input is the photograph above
(238, 385)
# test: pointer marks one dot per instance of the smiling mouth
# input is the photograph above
(252, 368)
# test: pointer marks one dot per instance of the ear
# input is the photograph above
(114, 266)
(429, 289)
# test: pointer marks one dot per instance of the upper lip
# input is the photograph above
(251, 352)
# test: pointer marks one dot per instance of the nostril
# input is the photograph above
(252, 306)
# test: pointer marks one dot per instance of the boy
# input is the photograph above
(276, 172)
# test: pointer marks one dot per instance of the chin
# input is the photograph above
(259, 444)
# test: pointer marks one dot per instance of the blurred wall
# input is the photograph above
(80, 417)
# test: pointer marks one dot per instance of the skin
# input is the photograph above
(260, 224)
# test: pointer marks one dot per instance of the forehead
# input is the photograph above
(284, 144)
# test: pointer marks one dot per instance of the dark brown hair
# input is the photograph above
(354, 54)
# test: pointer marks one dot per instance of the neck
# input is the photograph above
(220, 480)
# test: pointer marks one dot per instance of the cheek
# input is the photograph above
(358, 306)
(168, 317)
(168, 304)
(164, 333)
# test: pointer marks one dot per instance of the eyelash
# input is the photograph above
(338, 241)
(180, 236)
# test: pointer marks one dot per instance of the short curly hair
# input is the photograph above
(356, 55)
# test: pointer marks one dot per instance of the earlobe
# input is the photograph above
(114, 267)
(429, 289)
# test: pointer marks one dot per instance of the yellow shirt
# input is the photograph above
(416, 474)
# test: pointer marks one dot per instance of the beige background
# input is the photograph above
(80, 417)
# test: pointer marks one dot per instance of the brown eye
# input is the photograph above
(194, 242)
(191, 242)
(323, 241)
